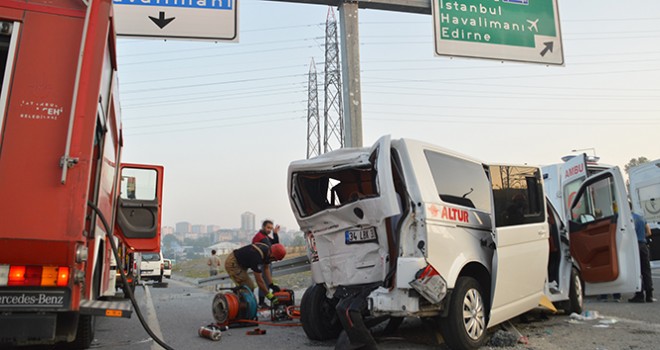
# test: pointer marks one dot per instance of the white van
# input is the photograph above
(645, 197)
(406, 228)
(593, 215)
(152, 267)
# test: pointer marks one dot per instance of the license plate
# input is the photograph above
(361, 236)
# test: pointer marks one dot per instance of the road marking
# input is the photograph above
(152, 318)
(636, 322)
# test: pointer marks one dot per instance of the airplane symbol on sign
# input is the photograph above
(533, 25)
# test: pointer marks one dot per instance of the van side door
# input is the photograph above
(521, 237)
(139, 207)
(602, 234)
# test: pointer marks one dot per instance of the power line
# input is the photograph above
(186, 50)
(525, 76)
(223, 110)
(213, 83)
(549, 87)
(517, 96)
(229, 92)
(223, 55)
(539, 109)
(213, 127)
(205, 99)
(437, 117)
(494, 121)
(377, 70)
(215, 74)
(214, 120)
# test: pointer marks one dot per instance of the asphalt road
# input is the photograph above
(177, 311)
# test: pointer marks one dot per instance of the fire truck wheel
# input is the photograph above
(465, 325)
(392, 325)
(84, 334)
(318, 315)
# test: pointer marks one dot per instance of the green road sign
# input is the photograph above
(516, 30)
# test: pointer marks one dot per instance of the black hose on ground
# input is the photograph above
(128, 290)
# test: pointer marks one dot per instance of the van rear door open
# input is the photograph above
(343, 203)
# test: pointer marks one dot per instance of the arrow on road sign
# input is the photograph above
(161, 21)
(548, 47)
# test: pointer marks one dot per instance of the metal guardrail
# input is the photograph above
(280, 268)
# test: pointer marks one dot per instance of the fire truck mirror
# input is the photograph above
(138, 184)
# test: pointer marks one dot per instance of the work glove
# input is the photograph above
(272, 298)
(274, 288)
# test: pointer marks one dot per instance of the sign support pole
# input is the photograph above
(350, 63)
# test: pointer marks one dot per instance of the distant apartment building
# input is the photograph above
(212, 228)
(183, 227)
(198, 229)
(167, 230)
(247, 222)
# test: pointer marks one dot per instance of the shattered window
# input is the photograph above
(324, 190)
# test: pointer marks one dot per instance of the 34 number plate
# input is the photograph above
(361, 236)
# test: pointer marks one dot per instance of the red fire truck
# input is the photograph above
(62, 183)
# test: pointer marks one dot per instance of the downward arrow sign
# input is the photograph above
(161, 21)
(548, 47)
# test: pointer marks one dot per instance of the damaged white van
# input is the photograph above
(405, 229)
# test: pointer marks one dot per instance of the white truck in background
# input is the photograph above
(645, 198)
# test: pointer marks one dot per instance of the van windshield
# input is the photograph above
(150, 257)
(318, 191)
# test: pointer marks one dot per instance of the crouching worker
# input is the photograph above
(256, 257)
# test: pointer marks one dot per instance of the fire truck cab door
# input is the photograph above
(139, 207)
(602, 235)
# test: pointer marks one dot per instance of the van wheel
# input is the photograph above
(575, 293)
(465, 325)
(318, 315)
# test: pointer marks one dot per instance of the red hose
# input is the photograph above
(270, 323)
(293, 311)
(232, 305)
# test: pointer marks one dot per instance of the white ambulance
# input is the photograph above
(593, 246)
(645, 197)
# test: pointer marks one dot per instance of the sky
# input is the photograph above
(226, 119)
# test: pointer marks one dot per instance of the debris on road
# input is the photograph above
(585, 316)
(256, 331)
(503, 339)
(520, 338)
(211, 331)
